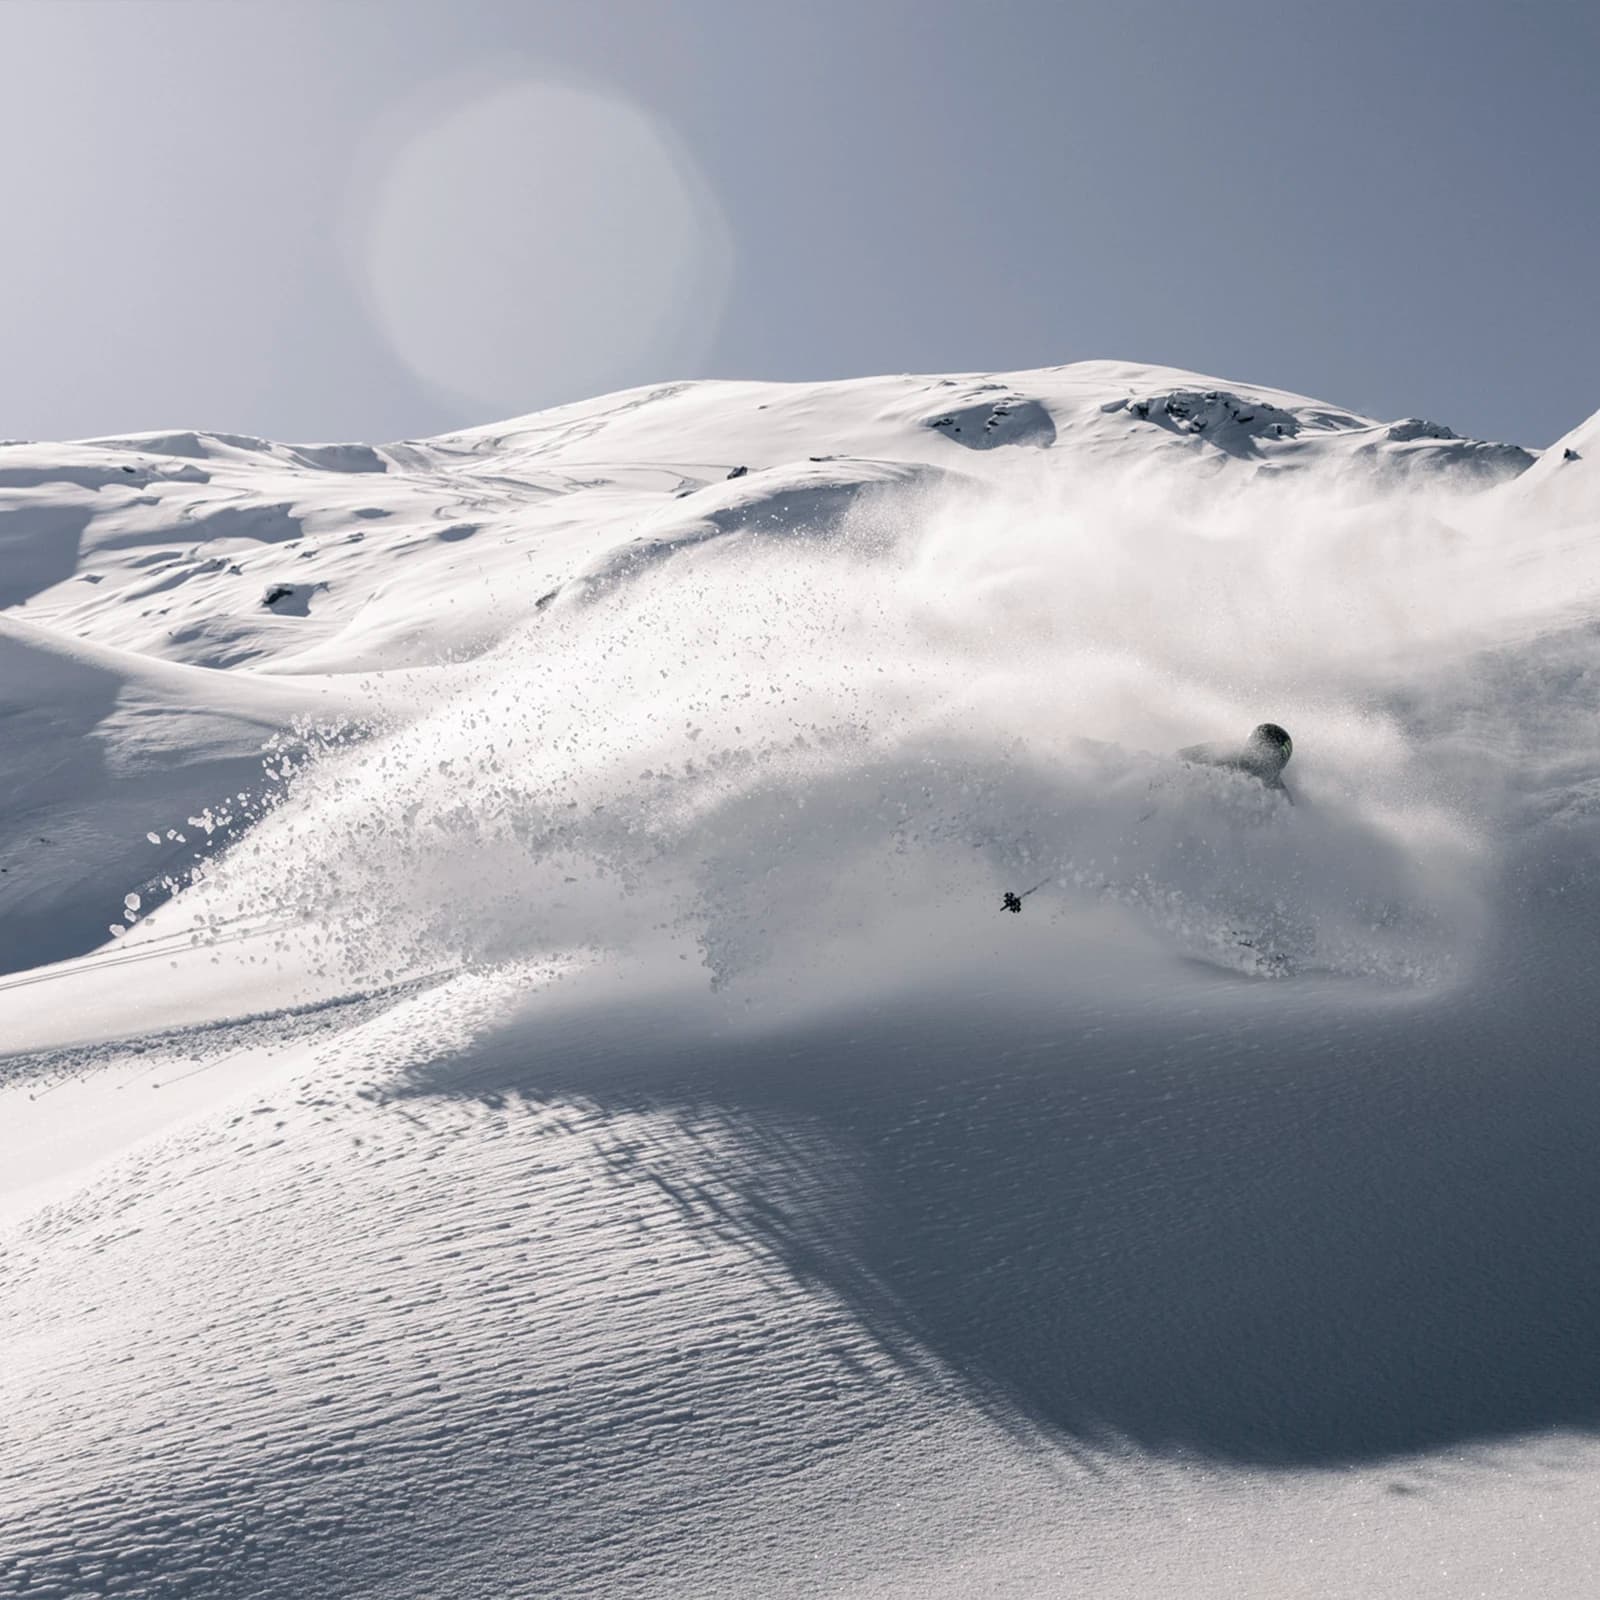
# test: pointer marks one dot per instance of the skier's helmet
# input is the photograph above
(1270, 737)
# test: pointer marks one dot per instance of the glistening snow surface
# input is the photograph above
(535, 1093)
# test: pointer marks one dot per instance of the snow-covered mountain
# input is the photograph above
(515, 1080)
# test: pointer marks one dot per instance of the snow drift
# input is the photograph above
(600, 839)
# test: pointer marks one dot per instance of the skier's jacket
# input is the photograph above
(1263, 756)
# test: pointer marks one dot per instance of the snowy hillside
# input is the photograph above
(514, 1078)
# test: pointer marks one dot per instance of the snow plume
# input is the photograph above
(769, 755)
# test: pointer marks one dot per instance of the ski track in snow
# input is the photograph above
(562, 1113)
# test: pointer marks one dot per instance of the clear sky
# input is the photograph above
(377, 220)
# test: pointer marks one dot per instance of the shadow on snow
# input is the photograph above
(1265, 1233)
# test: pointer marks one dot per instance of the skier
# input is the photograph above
(1263, 756)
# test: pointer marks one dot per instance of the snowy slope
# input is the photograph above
(534, 1095)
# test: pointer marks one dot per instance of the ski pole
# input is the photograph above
(1013, 902)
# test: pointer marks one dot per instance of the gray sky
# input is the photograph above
(354, 220)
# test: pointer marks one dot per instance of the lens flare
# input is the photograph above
(539, 241)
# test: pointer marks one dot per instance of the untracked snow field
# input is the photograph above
(515, 1080)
